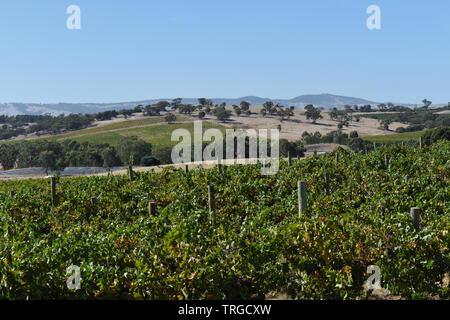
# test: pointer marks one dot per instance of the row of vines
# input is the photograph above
(258, 244)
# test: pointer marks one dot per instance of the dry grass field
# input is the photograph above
(292, 129)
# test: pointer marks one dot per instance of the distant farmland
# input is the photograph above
(158, 135)
(396, 137)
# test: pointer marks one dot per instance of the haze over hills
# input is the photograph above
(320, 100)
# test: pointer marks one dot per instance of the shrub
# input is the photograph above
(432, 136)
(149, 161)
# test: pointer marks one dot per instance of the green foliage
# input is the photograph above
(395, 138)
(385, 123)
(410, 128)
(222, 114)
(111, 158)
(331, 137)
(343, 117)
(8, 156)
(244, 106)
(429, 118)
(294, 148)
(313, 113)
(170, 117)
(149, 161)
(48, 160)
(432, 136)
(135, 148)
(164, 155)
(354, 134)
(53, 155)
(258, 244)
(358, 145)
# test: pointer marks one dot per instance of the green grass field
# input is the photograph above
(158, 136)
(397, 137)
(120, 125)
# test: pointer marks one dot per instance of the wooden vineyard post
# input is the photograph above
(53, 188)
(152, 208)
(302, 194)
(337, 157)
(219, 165)
(211, 203)
(289, 159)
(415, 215)
(186, 168)
(421, 142)
(374, 146)
(94, 201)
(130, 173)
(327, 183)
(407, 178)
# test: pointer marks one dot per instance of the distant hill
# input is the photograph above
(320, 100)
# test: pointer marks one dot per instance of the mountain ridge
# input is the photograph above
(324, 100)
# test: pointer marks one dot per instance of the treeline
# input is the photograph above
(55, 156)
(43, 125)
(418, 120)
(331, 137)
(355, 143)
(13, 126)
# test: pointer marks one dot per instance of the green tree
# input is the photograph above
(164, 155)
(426, 103)
(176, 103)
(244, 106)
(222, 114)
(293, 148)
(385, 123)
(50, 162)
(269, 107)
(133, 148)
(312, 113)
(110, 158)
(162, 105)
(432, 136)
(356, 144)
(202, 102)
(149, 161)
(170, 118)
(8, 156)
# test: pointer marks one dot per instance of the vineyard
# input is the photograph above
(257, 245)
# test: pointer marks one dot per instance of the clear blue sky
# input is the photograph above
(140, 49)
